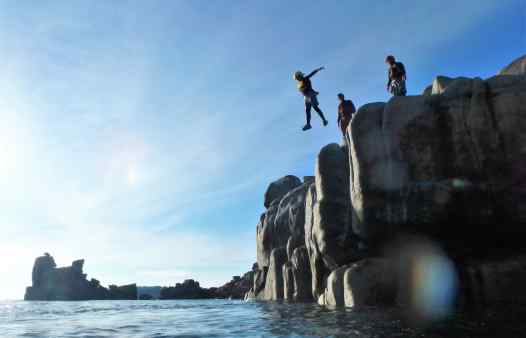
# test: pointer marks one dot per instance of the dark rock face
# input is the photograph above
(123, 292)
(301, 275)
(279, 188)
(284, 217)
(260, 277)
(149, 292)
(43, 266)
(332, 226)
(329, 236)
(236, 288)
(70, 283)
(274, 282)
(269, 235)
(281, 228)
(441, 156)
(319, 271)
(189, 289)
(496, 281)
(291, 215)
(446, 169)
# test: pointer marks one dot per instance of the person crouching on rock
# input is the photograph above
(345, 111)
(396, 77)
(311, 100)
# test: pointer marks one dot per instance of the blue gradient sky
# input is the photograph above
(141, 135)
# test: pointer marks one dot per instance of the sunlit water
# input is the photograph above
(218, 318)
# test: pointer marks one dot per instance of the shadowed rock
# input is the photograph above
(422, 160)
(274, 281)
(371, 281)
(448, 166)
(70, 283)
(189, 289)
(329, 236)
(279, 188)
(236, 288)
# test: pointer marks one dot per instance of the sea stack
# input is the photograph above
(70, 283)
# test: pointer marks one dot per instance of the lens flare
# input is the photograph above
(433, 286)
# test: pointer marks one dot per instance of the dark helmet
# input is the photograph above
(390, 59)
(341, 96)
(298, 75)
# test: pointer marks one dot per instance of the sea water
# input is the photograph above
(225, 318)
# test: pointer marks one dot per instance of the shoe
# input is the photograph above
(325, 123)
(307, 127)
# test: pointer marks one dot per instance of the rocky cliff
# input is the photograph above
(70, 283)
(190, 289)
(425, 203)
(237, 287)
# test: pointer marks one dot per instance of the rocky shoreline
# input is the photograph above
(50, 283)
(70, 283)
(424, 205)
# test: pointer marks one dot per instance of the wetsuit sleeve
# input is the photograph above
(313, 73)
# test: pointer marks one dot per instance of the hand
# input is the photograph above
(321, 68)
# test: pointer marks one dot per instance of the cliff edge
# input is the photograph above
(426, 185)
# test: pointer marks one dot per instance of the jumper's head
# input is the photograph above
(298, 76)
(341, 97)
(390, 59)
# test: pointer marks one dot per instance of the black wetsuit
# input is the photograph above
(311, 101)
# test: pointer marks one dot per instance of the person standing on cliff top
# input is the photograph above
(345, 111)
(311, 100)
(396, 77)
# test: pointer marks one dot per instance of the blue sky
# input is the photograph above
(141, 135)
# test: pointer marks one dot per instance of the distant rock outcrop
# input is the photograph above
(70, 283)
(189, 289)
(149, 292)
(447, 167)
(237, 287)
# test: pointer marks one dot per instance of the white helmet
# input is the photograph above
(298, 76)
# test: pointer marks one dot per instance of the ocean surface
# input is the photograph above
(224, 318)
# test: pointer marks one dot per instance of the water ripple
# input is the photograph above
(219, 318)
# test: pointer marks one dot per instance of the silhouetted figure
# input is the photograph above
(396, 77)
(345, 111)
(311, 100)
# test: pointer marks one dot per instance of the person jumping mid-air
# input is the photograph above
(396, 77)
(345, 111)
(311, 100)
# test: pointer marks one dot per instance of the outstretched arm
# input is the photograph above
(314, 72)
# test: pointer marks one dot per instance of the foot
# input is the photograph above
(307, 127)
(325, 123)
